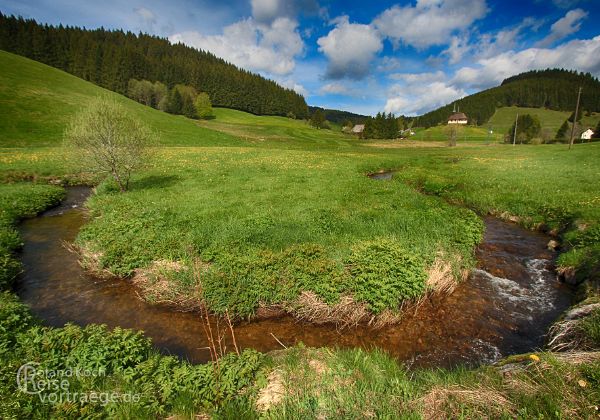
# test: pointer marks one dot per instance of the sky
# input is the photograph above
(404, 57)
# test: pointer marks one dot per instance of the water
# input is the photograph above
(505, 307)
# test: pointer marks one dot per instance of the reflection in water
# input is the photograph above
(505, 306)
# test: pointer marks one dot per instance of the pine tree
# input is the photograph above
(175, 102)
(561, 134)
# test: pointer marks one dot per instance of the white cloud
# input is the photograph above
(147, 18)
(565, 26)
(429, 22)
(266, 11)
(291, 84)
(582, 55)
(412, 78)
(271, 48)
(458, 47)
(350, 48)
(334, 88)
(418, 98)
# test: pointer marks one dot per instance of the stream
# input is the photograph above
(505, 306)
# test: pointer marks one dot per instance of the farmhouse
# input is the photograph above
(587, 134)
(458, 118)
(358, 129)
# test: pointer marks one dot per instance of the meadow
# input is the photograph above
(266, 208)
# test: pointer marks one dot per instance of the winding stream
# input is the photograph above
(505, 307)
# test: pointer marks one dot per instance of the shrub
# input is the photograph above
(384, 274)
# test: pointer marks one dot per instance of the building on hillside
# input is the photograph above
(358, 129)
(458, 118)
(587, 134)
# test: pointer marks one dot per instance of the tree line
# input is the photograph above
(180, 100)
(111, 58)
(552, 89)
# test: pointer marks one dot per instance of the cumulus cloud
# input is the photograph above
(429, 22)
(412, 78)
(292, 84)
(266, 11)
(583, 55)
(459, 46)
(350, 48)
(565, 26)
(418, 98)
(254, 46)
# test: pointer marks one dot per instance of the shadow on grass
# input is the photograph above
(154, 181)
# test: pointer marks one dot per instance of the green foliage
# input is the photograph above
(112, 58)
(317, 119)
(15, 318)
(528, 127)
(383, 126)
(105, 139)
(561, 134)
(590, 326)
(384, 274)
(339, 117)
(203, 106)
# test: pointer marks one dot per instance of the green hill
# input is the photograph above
(550, 89)
(504, 118)
(36, 101)
(111, 58)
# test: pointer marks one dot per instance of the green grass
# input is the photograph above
(465, 134)
(504, 118)
(271, 207)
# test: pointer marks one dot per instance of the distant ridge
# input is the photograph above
(553, 89)
(111, 58)
(339, 117)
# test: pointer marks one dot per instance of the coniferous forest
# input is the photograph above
(110, 58)
(552, 89)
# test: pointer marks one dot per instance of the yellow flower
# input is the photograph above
(534, 357)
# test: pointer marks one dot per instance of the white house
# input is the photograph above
(587, 134)
(358, 129)
(458, 118)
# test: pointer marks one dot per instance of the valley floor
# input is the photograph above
(243, 212)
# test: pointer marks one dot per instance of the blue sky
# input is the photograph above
(406, 57)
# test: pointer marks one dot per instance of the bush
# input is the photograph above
(384, 274)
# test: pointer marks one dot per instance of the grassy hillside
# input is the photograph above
(549, 89)
(36, 102)
(504, 118)
(464, 134)
(268, 208)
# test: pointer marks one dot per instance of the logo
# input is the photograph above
(27, 378)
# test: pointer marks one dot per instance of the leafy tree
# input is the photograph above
(159, 92)
(105, 139)
(561, 134)
(203, 106)
(528, 127)
(317, 119)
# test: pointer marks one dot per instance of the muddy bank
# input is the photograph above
(505, 306)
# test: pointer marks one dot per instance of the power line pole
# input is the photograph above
(515, 134)
(575, 119)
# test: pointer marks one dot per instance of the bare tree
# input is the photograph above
(105, 139)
